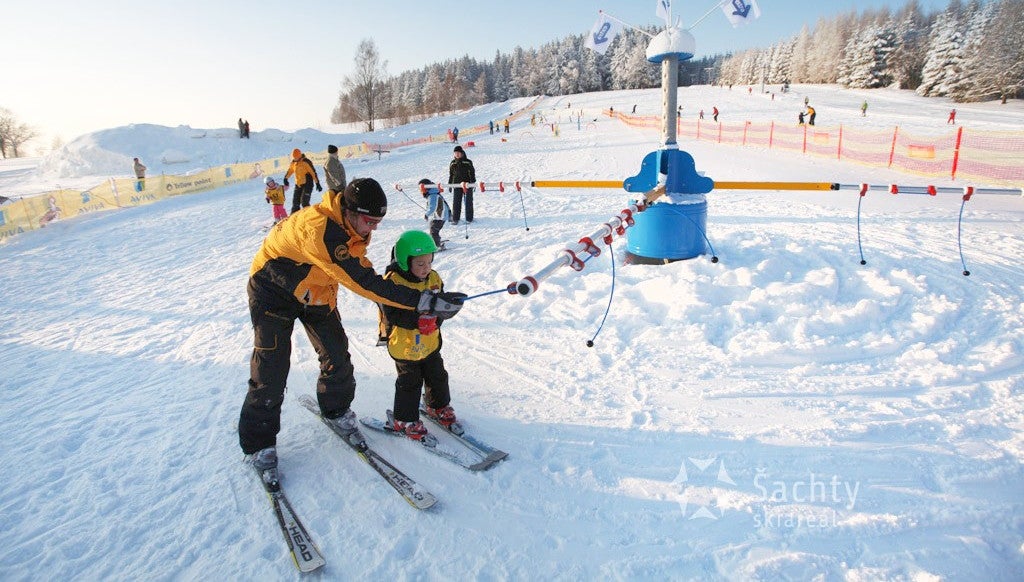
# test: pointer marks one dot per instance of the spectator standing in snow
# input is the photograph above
(245, 129)
(305, 177)
(460, 170)
(952, 117)
(714, 113)
(334, 171)
(811, 114)
(490, 123)
(414, 340)
(140, 175)
(864, 109)
(506, 125)
(295, 276)
(241, 128)
(800, 118)
(701, 115)
(455, 134)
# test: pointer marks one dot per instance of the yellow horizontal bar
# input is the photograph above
(577, 184)
(773, 186)
(718, 185)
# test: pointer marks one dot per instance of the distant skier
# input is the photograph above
(438, 212)
(714, 113)
(864, 109)
(800, 118)
(811, 114)
(952, 117)
(275, 196)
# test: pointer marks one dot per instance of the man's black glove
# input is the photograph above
(286, 181)
(267, 198)
(319, 188)
(444, 305)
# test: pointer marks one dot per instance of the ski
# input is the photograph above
(305, 554)
(429, 443)
(409, 489)
(485, 450)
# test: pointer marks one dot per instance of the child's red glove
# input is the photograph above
(427, 324)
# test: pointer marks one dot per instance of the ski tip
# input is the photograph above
(307, 567)
(482, 465)
(425, 501)
(496, 456)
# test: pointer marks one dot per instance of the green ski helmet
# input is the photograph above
(413, 243)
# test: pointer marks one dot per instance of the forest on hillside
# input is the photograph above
(970, 51)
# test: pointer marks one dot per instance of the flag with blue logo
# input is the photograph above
(601, 36)
(741, 11)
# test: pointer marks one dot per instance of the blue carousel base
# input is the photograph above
(668, 232)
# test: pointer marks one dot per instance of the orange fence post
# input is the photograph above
(839, 148)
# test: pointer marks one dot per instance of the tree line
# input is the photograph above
(970, 51)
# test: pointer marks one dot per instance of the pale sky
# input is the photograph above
(71, 67)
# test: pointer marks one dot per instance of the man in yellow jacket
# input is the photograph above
(305, 178)
(295, 275)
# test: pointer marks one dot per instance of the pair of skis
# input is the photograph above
(304, 552)
(481, 455)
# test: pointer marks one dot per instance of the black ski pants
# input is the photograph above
(274, 311)
(428, 375)
(457, 206)
(301, 196)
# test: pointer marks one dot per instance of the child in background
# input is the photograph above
(275, 195)
(414, 342)
(438, 211)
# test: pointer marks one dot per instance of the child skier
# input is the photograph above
(414, 341)
(438, 211)
(275, 195)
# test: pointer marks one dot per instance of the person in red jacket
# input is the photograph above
(305, 178)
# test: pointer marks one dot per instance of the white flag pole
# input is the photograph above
(624, 23)
(708, 13)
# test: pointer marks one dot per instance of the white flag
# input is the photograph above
(602, 34)
(663, 9)
(741, 11)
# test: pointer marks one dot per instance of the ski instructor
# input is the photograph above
(295, 276)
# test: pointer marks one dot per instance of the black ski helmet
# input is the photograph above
(365, 196)
(426, 191)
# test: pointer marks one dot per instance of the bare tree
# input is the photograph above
(362, 97)
(6, 122)
(13, 134)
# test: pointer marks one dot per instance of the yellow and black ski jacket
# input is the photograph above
(303, 170)
(405, 342)
(311, 252)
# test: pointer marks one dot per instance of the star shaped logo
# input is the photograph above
(702, 509)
